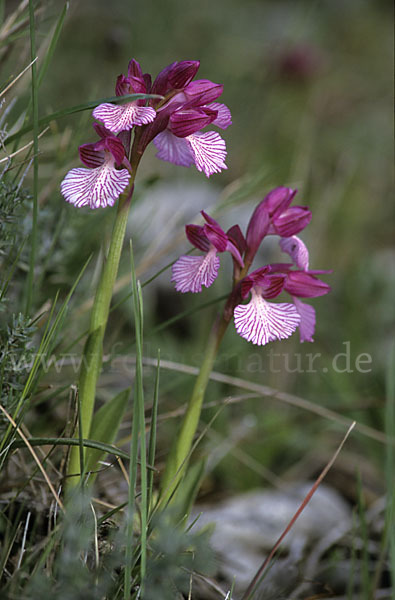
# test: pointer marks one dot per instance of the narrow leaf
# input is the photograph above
(105, 426)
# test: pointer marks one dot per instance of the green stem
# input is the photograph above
(181, 448)
(93, 350)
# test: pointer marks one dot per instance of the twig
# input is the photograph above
(17, 77)
(306, 500)
(23, 147)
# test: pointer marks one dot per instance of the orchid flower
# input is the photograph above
(182, 142)
(122, 117)
(260, 321)
(190, 273)
(103, 181)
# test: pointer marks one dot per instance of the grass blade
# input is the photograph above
(138, 430)
(390, 459)
(47, 441)
(81, 444)
(105, 426)
(34, 233)
(152, 435)
(51, 49)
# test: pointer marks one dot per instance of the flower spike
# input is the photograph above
(259, 321)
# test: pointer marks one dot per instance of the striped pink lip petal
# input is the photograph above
(120, 118)
(261, 322)
(96, 188)
(191, 273)
(209, 151)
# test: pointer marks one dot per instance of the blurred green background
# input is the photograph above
(310, 91)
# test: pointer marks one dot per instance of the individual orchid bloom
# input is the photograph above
(122, 117)
(102, 183)
(191, 273)
(182, 142)
(261, 321)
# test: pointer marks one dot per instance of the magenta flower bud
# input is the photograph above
(134, 69)
(182, 73)
(235, 234)
(291, 221)
(256, 230)
(304, 285)
(278, 200)
(203, 91)
(186, 122)
(161, 84)
(268, 214)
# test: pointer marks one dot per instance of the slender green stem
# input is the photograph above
(93, 350)
(181, 448)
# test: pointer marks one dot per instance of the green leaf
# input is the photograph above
(105, 425)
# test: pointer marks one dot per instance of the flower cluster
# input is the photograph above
(172, 116)
(259, 321)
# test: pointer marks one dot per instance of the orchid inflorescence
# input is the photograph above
(172, 117)
(259, 321)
